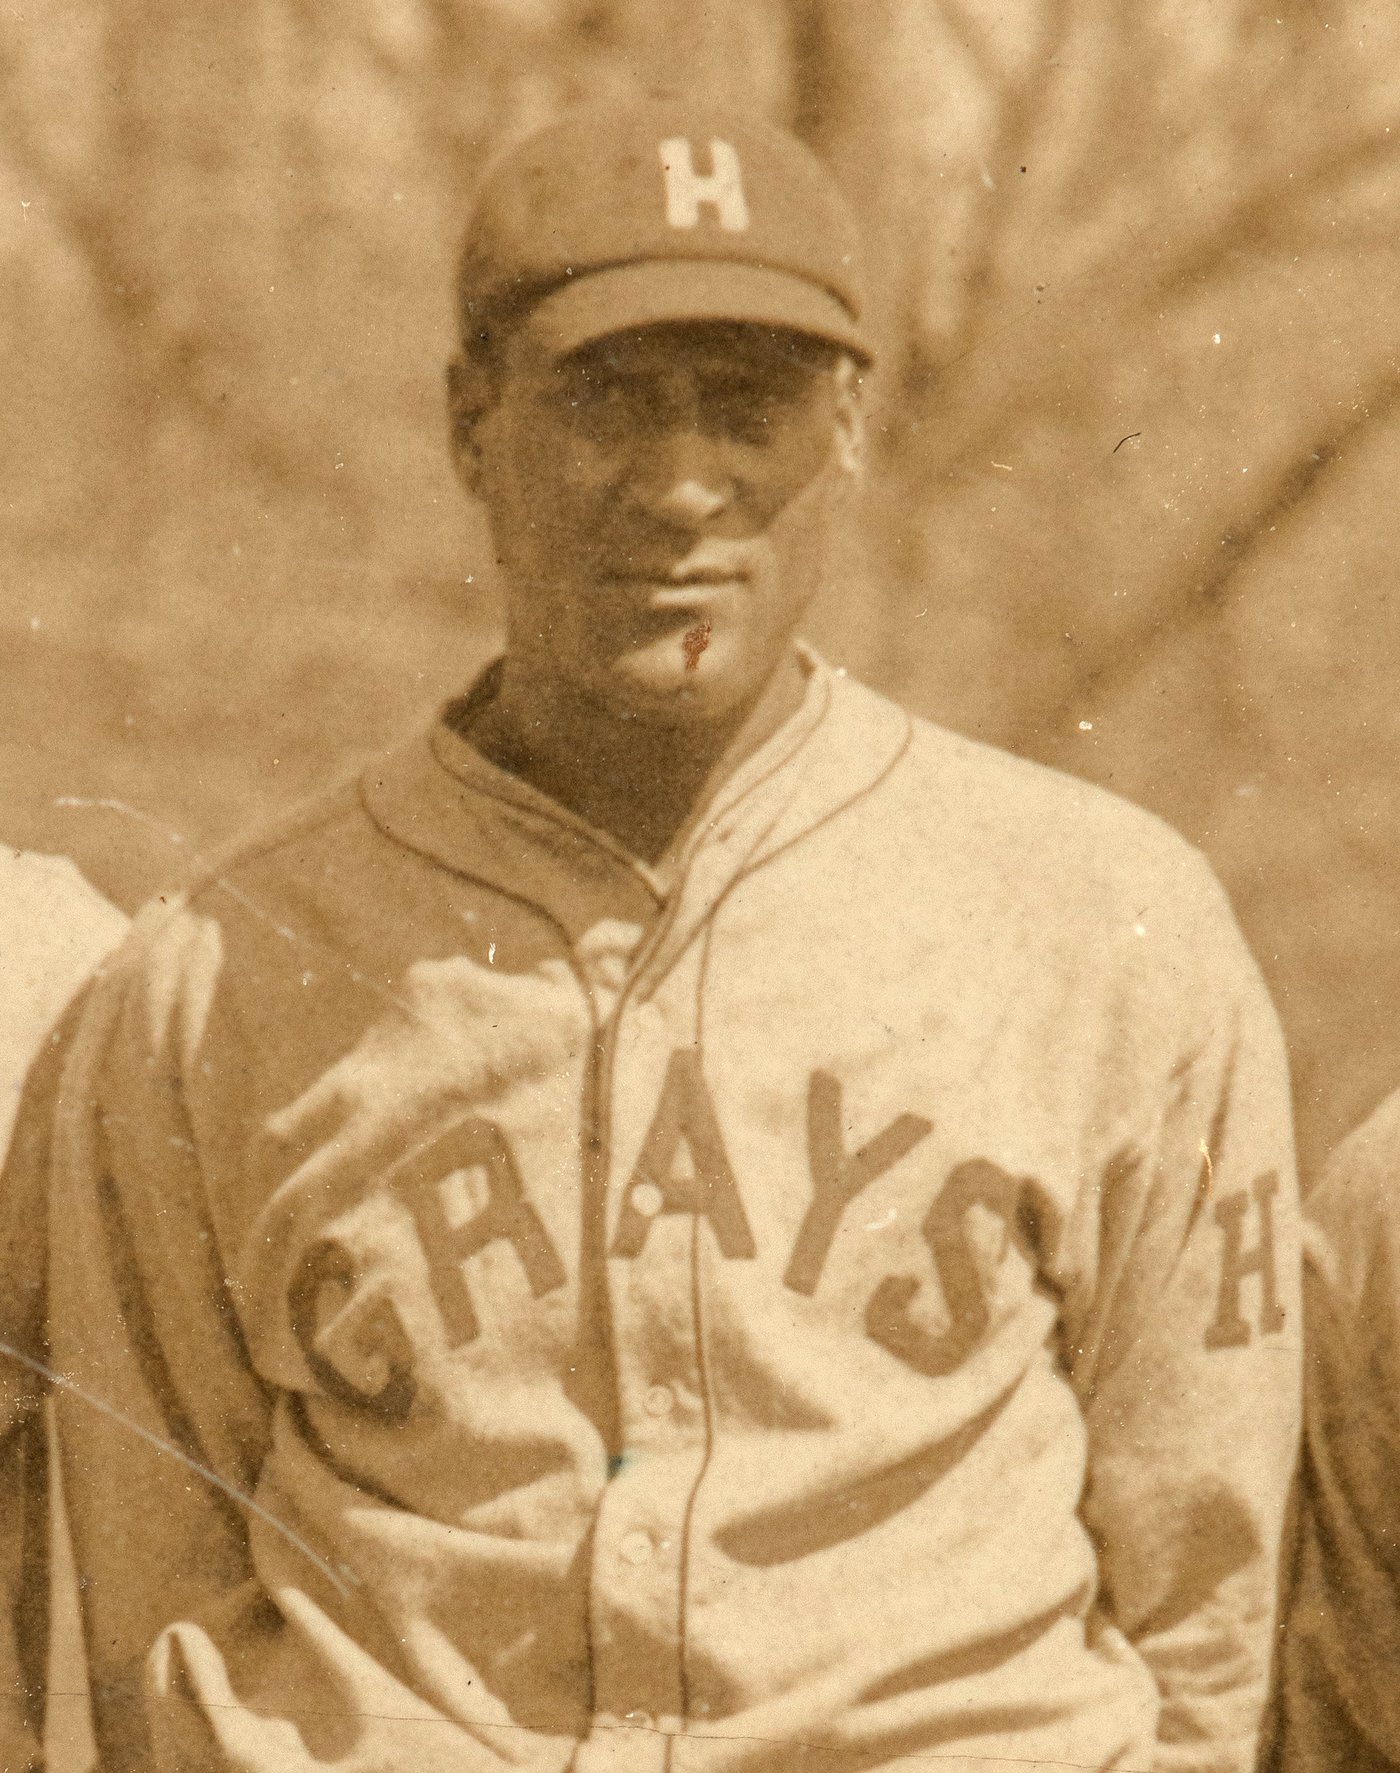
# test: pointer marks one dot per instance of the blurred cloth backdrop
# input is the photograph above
(1136, 439)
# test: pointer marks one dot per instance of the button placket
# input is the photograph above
(638, 1546)
(658, 1400)
(636, 1549)
(648, 1199)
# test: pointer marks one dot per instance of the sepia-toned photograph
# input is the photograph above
(700, 886)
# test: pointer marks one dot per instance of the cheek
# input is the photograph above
(795, 470)
(801, 526)
(545, 501)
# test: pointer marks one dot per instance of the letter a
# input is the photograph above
(683, 1166)
(1229, 1328)
(686, 189)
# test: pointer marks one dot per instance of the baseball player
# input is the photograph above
(1339, 1708)
(687, 1219)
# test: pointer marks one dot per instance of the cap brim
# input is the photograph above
(657, 291)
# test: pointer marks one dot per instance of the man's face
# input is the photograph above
(662, 505)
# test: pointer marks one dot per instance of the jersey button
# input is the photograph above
(658, 1400)
(647, 1199)
(636, 1549)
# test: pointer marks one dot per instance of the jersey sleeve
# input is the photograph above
(1186, 1350)
(161, 1421)
(24, 1489)
(1338, 1702)
(54, 930)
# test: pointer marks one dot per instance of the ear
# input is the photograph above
(468, 401)
(850, 416)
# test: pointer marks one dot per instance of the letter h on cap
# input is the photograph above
(686, 189)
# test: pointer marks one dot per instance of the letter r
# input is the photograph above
(508, 1215)
(687, 189)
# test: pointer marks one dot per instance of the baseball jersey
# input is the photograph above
(834, 1294)
(1338, 1704)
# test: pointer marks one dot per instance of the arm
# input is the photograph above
(162, 1423)
(1187, 1355)
(24, 1498)
(1338, 1705)
(233, 1604)
(56, 930)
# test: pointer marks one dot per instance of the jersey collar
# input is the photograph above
(439, 796)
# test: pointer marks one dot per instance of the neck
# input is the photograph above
(639, 781)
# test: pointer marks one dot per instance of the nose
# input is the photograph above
(692, 500)
(686, 479)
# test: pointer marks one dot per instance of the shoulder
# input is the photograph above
(1354, 1211)
(1026, 832)
(289, 846)
(55, 931)
(255, 919)
(239, 886)
(47, 900)
(265, 877)
(1024, 807)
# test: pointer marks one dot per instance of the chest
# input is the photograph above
(872, 1133)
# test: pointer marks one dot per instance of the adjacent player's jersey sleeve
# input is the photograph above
(1186, 1355)
(1338, 1694)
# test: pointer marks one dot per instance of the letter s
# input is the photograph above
(887, 1318)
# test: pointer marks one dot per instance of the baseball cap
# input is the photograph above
(628, 215)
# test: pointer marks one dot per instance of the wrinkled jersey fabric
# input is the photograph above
(837, 1295)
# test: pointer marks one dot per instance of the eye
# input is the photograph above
(736, 414)
(604, 405)
(754, 407)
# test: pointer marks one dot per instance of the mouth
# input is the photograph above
(681, 589)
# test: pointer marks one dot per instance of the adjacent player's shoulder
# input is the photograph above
(55, 927)
(1354, 1209)
(55, 931)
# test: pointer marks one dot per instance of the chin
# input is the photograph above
(667, 692)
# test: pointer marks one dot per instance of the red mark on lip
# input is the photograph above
(694, 642)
